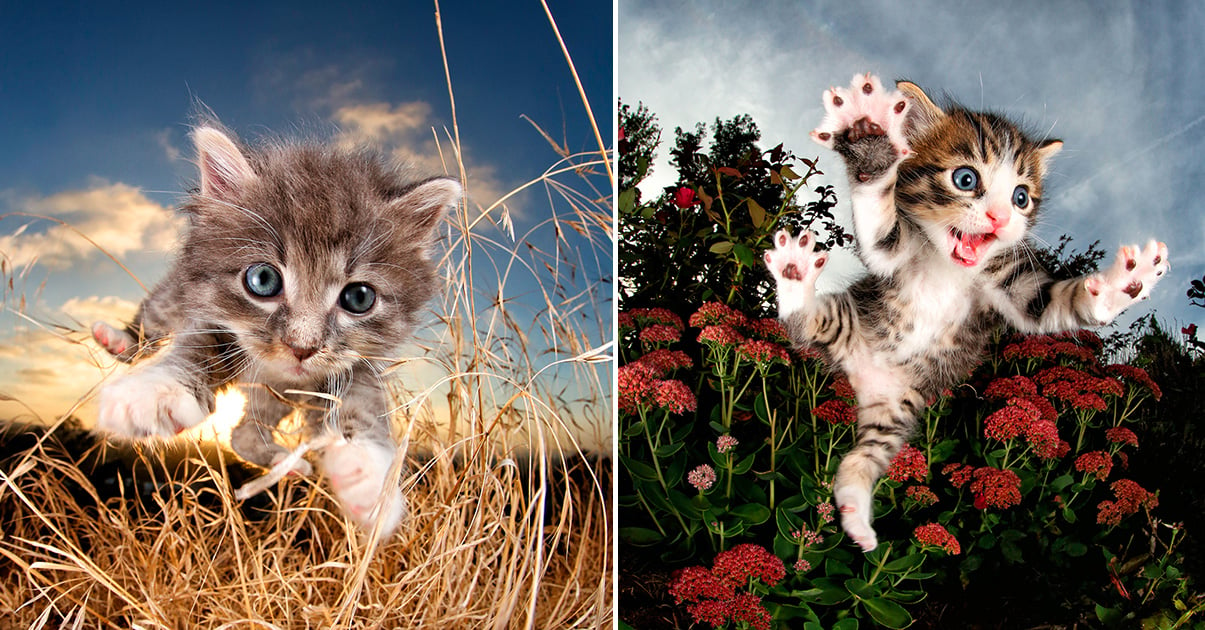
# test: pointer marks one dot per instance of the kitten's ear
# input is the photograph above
(423, 206)
(224, 168)
(1047, 149)
(924, 111)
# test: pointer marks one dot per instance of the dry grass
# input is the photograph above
(510, 521)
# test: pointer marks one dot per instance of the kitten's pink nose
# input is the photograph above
(997, 217)
(303, 353)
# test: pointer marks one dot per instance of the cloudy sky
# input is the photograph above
(1119, 82)
(96, 102)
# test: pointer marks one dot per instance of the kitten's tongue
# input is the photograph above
(967, 246)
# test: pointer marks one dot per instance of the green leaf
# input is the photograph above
(684, 504)
(666, 450)
(849, 623)
(757, 213)
(743, 466)
(627, 200)
(636, 429)
(1076, 549)
(723, 247)
(1109, 616)
(887, 612)
(787, 173)
(830, 592)
(1062, 482)
(640, 536)
(904, 564)
(744, 254)
(834, 567)
(859, 587)
(1068, 515)
(786, 522)
(752, 513)
(639, 470)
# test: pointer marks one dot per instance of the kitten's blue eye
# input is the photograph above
(263, 280)
(965, 178)
(1021, 197)
(357, 298)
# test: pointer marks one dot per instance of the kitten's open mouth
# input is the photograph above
(968, 248)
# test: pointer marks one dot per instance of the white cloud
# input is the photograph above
(118, 219)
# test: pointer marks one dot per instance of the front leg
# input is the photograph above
(360, 464)
(865, 125)
(1092, 300)
(254, 440)
(162, 397)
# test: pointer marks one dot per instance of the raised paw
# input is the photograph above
(359, 475)
(1133, 274)
(148, 403)
(862, 110)
(795, 265)
(116, 342)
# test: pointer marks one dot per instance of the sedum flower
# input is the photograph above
(725, 443)
(909, 463)
(1122, 435)
(934, 535)
(1095, 463)
(994, 487)
(702, 477)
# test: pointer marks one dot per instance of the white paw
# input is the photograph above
(1130, 279)
(116, 342)
(866, 108)
(856, 507)
(359, 472)
(147, 403)
(795, 265)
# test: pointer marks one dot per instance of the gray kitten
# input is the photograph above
(943, 201)
(303, 267)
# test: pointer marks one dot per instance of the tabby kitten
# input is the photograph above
(302, 268)
(943, 200)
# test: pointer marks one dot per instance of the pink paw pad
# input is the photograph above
(864, 109)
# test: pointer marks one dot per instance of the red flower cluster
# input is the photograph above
(909, 463)
(659, 333)
(843, 388)
(959, 474)
(1011, 421)
(626, 322)
(654, 316)
(721, 335)
(1129, 497)
(725, 443)
(922, 495)
(713, 313)
(768, 328)
(762, 352)
(1081, 347)
(1043, 438)
(1095, 463)
(639, 386)
(675, 397)
(1122, 435)
(935, 535)
(1010, 387)
(713, 593)
(807, 537)
(1137, 376)
(748, 561)
(836, 411)
(664, 361)
(1082, 391)
(996, 488)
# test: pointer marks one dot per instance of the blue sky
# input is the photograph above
(95, 104)
(1118, 81)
